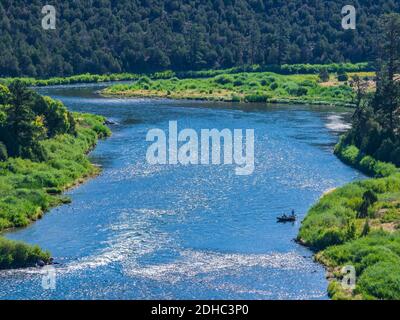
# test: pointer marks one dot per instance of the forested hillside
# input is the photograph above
(100, 36)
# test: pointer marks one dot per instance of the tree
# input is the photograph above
(369, 198)
(360, 87)
(24, 129)
(342, 76)
(376, 120)
(366, 229)
(26, 119)
(387, 97)
(324, 75)
(3, 152)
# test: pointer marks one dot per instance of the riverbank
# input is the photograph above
(260, 87)
(358, 225)
(286, 69)
(28, 189)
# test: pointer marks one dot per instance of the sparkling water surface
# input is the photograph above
(140, 231)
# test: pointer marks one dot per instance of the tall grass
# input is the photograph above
(333, 228)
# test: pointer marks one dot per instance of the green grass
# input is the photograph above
(246, 86)
(285, 69)
(28, 189)
(82, 78)
(334, 229)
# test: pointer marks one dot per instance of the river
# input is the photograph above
(140, 231)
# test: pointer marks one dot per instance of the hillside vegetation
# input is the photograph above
(105, 36)
(359, 224)
(43, 151)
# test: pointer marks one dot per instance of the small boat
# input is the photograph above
(286, 218)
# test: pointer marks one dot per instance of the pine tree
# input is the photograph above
(387, 97)
(366, 229)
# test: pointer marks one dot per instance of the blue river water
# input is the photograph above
(140, 231)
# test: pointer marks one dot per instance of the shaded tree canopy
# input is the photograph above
(26, 118)
(376, 121)
(104, 36)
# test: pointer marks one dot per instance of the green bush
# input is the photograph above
(223, 79)
(260, 98)
(350, 155)
(3, 152)
(368, 165)
(342, 77)
(15, 254)
(383, 169)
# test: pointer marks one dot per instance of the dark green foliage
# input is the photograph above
(351, 155)
(256, 98)
(351, 231)
(15, 254)
(374, 253)
(142, 36)
(366, 229)
(342, 76)
(324, 75)
(369, 198)
(376, 122)
(27, 119)
(3, 152)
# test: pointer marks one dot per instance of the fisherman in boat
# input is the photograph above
(286, 218)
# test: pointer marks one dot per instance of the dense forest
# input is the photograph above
(104, 36)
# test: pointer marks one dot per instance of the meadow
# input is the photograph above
(285, 69)
(260, 87)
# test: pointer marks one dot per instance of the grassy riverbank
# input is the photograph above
(359, 225)
(28, 188)
(259, 87)
(286, 69)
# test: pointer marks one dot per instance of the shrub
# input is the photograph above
(383, 169)
(3, 152)
(261, 98)
(144, 80)
(324, 75)
(15, 254)
(223, 79)
(381, 281)
(367, 164)
(342, 77)
(274, 86)
(350, 154)
(238, 82)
